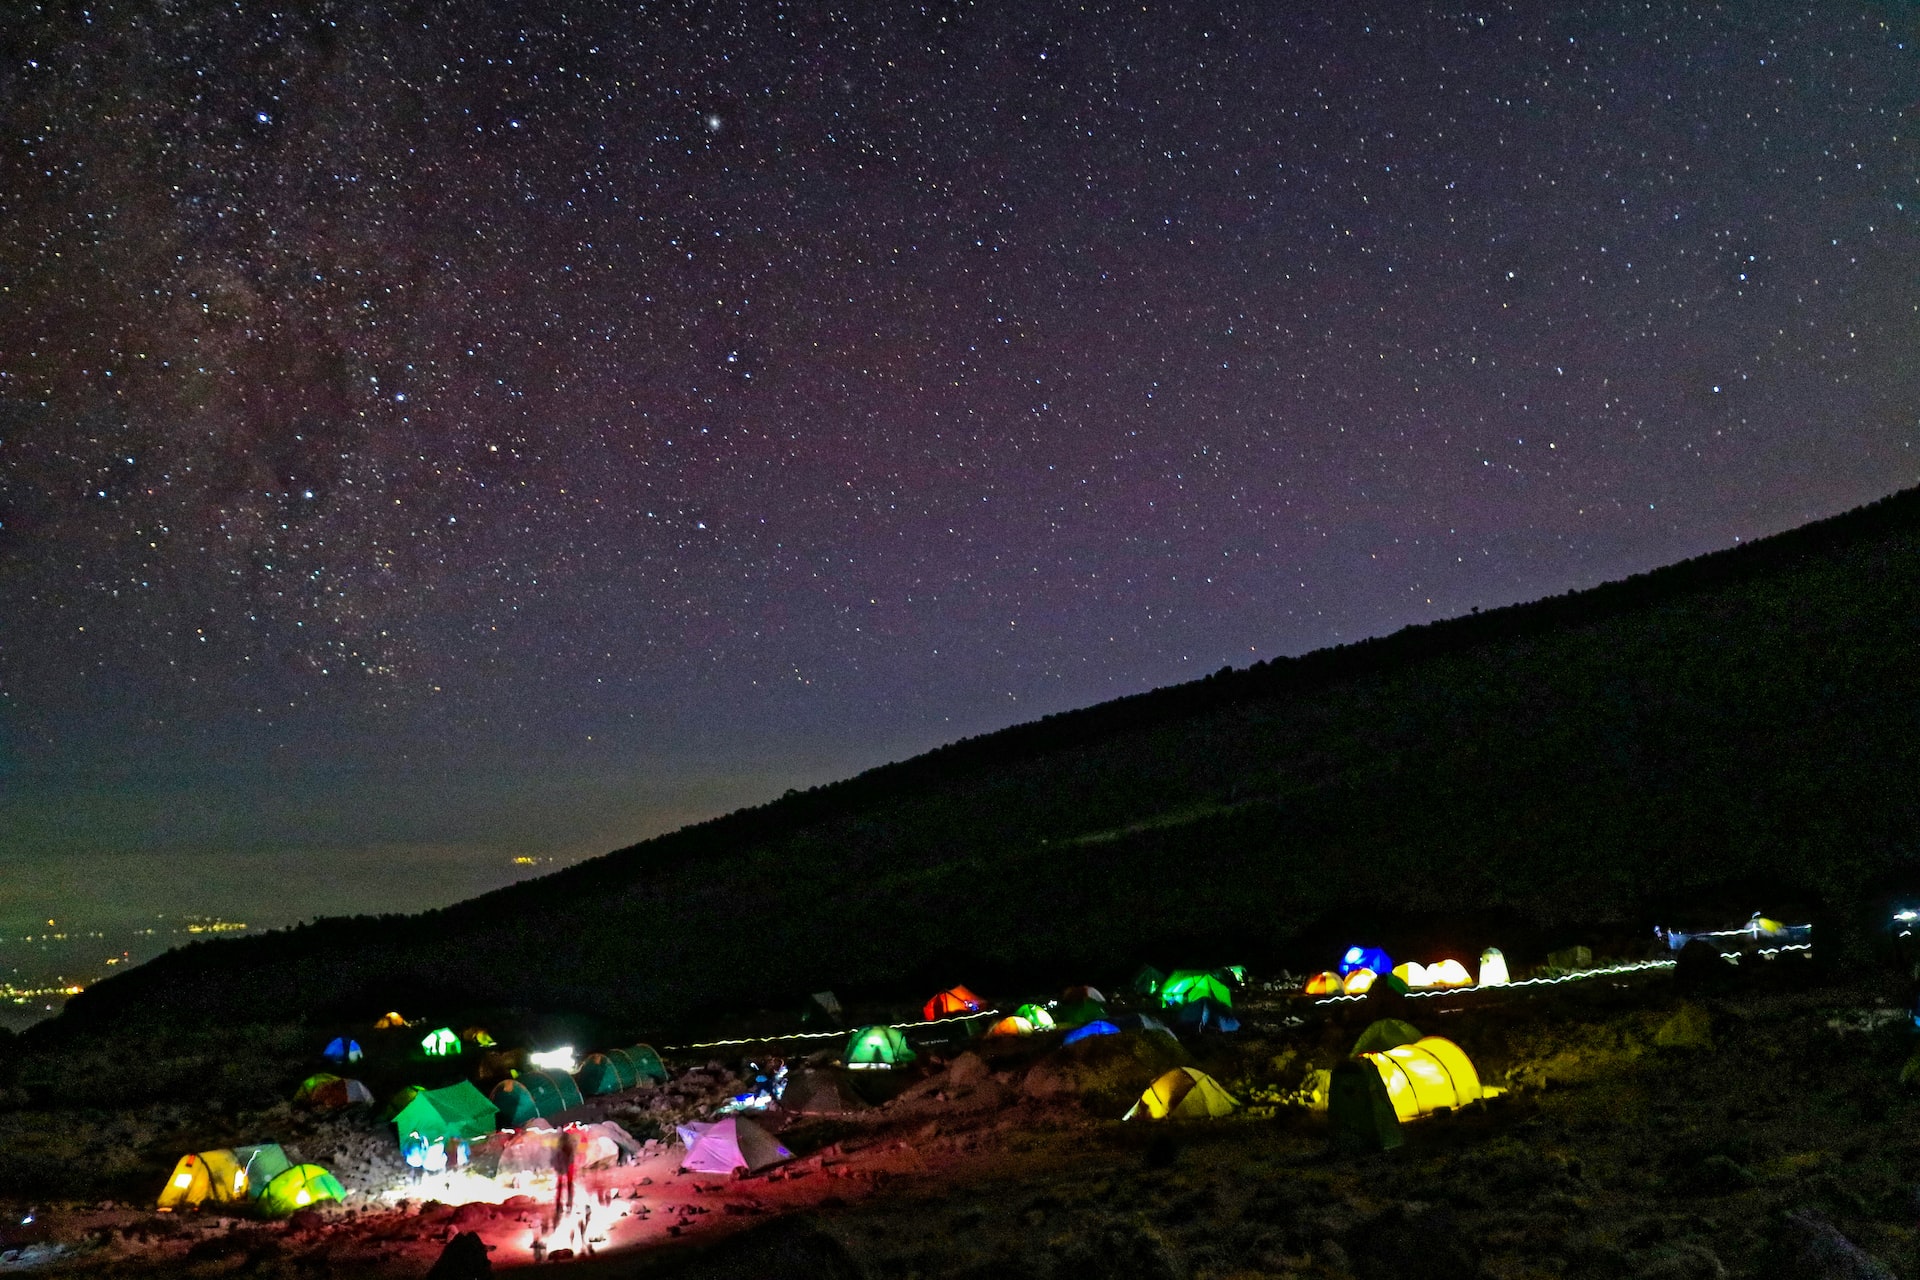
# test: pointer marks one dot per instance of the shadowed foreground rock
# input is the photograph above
(788, 1249)
(464, 1258)
(1819, 1252)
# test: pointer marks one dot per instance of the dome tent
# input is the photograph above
(440, 1043)
(730, 1145)
(872, 1048)
(1365, 958)
(1385, 1034)
(1011, 1025)
(331, 1093)
(1183, 986)
(1185, 1093)
(1037, 1015)
(1086, 1031)
(953, 1002)
(342, 1049)
(300, 1187)
(225, 1176)
(1079, 1011)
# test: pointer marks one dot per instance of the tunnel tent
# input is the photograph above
(534, 1093)
(1184, 1093)
(1074, 1013)
(457, 1111)
(953, 1002)
(1147, 980)
(1385, 1034)
(1088, 1030)
(645, 1061)
(1183, 986)
(342, 1049)
(878, 1048)
(516, 1104)
(732, 1144)
(1430, 1074)
(301, 1187)
(1038, 1015)
(605, 1073)
(440, 1043)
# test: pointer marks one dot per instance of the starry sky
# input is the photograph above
(435, 434)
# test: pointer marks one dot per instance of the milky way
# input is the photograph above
(435, 433)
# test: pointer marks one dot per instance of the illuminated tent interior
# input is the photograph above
(872, 1047)
(1427, 1075)
(1184, 1093)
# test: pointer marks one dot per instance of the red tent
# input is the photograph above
(956, 1000)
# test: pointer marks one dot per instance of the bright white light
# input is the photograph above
(1907, 915)
(560, 1059)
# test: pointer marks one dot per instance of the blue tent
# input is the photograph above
(1098, 1027)
(1205, 1015)
(341, 1049)
(1365, 958)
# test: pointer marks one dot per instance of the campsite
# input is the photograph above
(1643, 1113)
(1471, 952)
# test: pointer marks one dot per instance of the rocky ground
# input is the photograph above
(1756, 1129)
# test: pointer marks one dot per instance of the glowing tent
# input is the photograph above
(1423, 1077)
(389, 1021)
(341, 1049)
(1364, 958)
(1359, 982)
(1012, 1025)
(225, 1176)
(1183, 986)
(1147, 980)
(730, 1145)
(1493, 968)
(953, 1002)
(1328, 983)
(440, 1044)
(1098, 1027)
(457, 1111)
(1037, 1015)
(1413, 973)
(876, 1048)
(300, 1187)
(1185, 1093)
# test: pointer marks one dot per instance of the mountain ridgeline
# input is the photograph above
(1750, 718)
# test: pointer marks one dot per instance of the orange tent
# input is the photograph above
(1325, 984)
(955, 1000)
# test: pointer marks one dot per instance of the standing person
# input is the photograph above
(570, 1150)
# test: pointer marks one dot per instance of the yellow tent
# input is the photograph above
(1185, 1093)
(1427, 1075)
(389, 1021)
(209, 1175)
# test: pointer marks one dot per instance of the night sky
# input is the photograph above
(431, 434)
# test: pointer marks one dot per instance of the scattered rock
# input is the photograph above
(464, 1258)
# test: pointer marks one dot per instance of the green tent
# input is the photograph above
(457, 1111)
(534, 1093)
(398, 1102)
(298, 1188)
(441, 1044)
(1041, 1019)
(645, 1062)
(1078, 1013)
(1184, 986)
(1360, 1115)
(1147, 981)
(875, 1047)
(263, 1162)
(605, 1073)
(1387, 1033)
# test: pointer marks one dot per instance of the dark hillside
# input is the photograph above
(1751, 716)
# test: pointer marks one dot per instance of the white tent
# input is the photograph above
(722, 1146)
